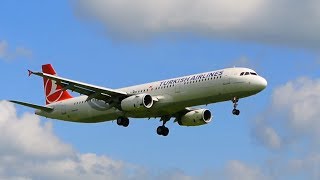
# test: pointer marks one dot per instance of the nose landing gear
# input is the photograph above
(235, 111)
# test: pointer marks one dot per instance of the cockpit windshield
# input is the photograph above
(248, 73)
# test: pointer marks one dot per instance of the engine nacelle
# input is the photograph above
(196, 118)
(137, 102)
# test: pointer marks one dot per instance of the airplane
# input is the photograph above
(166, 99)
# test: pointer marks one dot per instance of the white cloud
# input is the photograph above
(243, 61)
(292, 117)
(3, 49)
(30, 150)
(291, 126)
(19, 52)
(267, 136)
(27, 135)
(23, 52)
(307, 167)
(280, 22)
(173, 175)
(300, 101)
(237, 170)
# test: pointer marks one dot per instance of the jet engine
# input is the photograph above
(195, 118)
(137, 102)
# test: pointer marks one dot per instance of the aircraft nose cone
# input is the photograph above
(261, 83)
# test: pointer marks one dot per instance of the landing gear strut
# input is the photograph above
(235, 111)
(163, 130)
(123, 121)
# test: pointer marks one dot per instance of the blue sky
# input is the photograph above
(84, 42)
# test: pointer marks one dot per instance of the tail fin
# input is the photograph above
(53, 92)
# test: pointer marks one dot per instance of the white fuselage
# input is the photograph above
(170, 96)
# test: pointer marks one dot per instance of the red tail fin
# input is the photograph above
(53, 92)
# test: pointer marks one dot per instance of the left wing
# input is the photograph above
(91, 91)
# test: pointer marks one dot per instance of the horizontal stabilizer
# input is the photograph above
(42, 108)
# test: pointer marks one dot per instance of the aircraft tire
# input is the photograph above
(162, 130)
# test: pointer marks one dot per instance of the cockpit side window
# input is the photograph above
(252, 73)
(247, 73)
(242, 74)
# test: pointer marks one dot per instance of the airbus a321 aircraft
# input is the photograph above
(172, 98)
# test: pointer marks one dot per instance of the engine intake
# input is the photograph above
(138, 102)
(196, 118)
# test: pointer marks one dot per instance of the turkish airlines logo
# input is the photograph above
(53, 92)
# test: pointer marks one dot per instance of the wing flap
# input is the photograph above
(42, 108)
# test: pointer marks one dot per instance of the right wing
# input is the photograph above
(91, 91)
(42, 108)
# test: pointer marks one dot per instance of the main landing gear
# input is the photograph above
(235, 111)
(123, 121)
(163, 130)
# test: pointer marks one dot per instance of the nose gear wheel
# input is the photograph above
(235, 111)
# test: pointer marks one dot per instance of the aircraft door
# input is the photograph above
(225, 84)
(177, 87)
(226, 80)
(63, 109)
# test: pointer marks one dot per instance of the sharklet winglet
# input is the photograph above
(30, 72)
